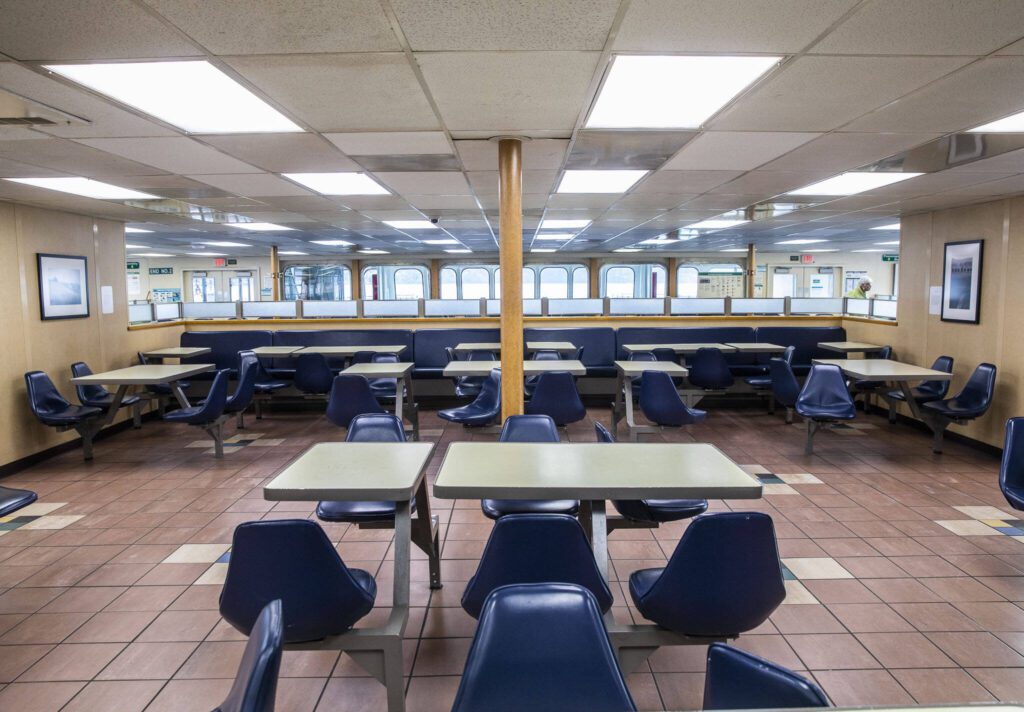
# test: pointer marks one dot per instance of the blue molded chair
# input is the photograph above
(542, 647)
(245, 388)
(350, 396)
(763, 383)
(556, 395)
(100, 397)
(52, 409)
(535, 548)
(255, 688)
(384, 387)
(665, 354)
(926, 392)
(723, 579)
(824, 399)
(971, 402)
(469, 386)
(265, 384)
(208, 415)
(11, 499)
(867, 388)
(737, 680)
(312, 374)
(642, 356)
(482, 411)
(530, 382)
(366, 428)
(1011, 469)
(785, 387)
(710, 371)
(528, 429)
(651, 510)
(293, 560)
(162, 393)
(661, 404)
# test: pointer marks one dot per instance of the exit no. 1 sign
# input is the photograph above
(890, 257)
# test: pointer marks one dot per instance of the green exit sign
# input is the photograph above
(133, 265)
(890, 258)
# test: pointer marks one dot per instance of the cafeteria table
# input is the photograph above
(626, 373)
(678, 348)
(903, 375)
(593, 473)
(531, 346)
(458, 369)
(360, 472)
(849, 347)
(275, 351)
(351, 350)
(178, 352)
(756, 347)
(405, 403)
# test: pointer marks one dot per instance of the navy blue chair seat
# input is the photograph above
(723, 579)
(210, 409)
(50, 407)
(764, 382)
(785, 387)
(661, 404)
(293, 560)
(973, 400)
(357, 512)
(312, 374)
(925, 392)
(255, 686)
(350, 395)
(709, 370)
(384, 387)
(535, 548)
(542, 647)
(96, 396)
(469, 386)
(482, 411)
(1011, 469)
(738, 680)
(555, 395)
(824, 399)
(11, 499)
(530, 382)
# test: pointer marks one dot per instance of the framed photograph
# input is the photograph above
(63, 286)
(961, 281)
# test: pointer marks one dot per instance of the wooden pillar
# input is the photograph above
(510, 260)
(275, 274)
(673, 286)
(435, 279)
(357, 280)
(751, 269)
(595, 277)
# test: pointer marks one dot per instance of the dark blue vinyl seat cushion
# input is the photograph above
(482, 411)
(928, 391)
(430, 345)
(350, 396)
(738, 680)
(598, 345)
(825, 396)
(805, 339)
(225, 346)
(1011, 470)
(210, 409)
(49, 406)
(96, 396)
(974, 398)
(785, 387)
(556, 395)
(11, 499)
(255, 686)
(662, 405)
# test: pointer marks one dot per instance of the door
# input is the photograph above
(805, 281)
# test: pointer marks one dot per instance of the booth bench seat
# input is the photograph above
(430, 345)
(804, 338)
(598, 345)
(224, 346)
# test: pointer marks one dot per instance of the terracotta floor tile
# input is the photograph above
(805, 619)
(427, 694)
(942, 686)
(353, 694)
(681, 690)
(180, 626)
(840, 591)
(904, 650)
(1003, 683)
(115, 696)
(994, 616)
(38, 696)
(839, 651)
(190, 695)
(869, 618)
(856, 688)
(147, 661)
(982, 649)
(72, 662)
(16, 659)
(113, 627)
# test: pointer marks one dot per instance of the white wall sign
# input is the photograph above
(935, 300)
(107, 299)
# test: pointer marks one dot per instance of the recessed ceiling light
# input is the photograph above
(890, 242)
(445, 241)
(85, 187)
(735, 249)
(1009, 124)
(221, 243)
(560, 224)
(543, 249)
(599, 181)
(867, 250)
(672, 91)
(800, 242)
(259, 226)
(332, 243)
(628, 249)
(291, 252)
(374, 252)
(134, 230)
(339, 183)
(659, 241)
(458, 252)
(891, 226)
(207, 254)
(193, 95)
(136, 247)
(852, 182)
(551, 236)
(152, 254)
(411, 224)
(715, 224)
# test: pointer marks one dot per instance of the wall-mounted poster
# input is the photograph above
(961, 281)
(63, 286)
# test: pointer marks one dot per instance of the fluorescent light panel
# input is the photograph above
(891, 226)
(628, 249)
(1009, 124)
(332, 243)
(890, 242)
(195, 96)
(291, 252)
(85, 187)
(136, 247)
(207, 254)
(551, 236)
(411, 224)
(134, 230)
(735, 249)
(800, 242)
(867, 250)
(374, 252)
(672, 92)
(221, 243)
(151, 254)
(445, 241)
(339, 183)
(599, 181)
(561, 224)
(259, 226)
(715, 224)
(852, 182)
(543, 249)
(458, 252)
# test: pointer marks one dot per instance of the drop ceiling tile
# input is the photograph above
(418, 162)
(1011, 161)
(720, 202)
(781, 26)
(739, 150)
(426, 183)
(391, 143)
(822, 93)
(171, 186)
(684, 182)
(282, 26)
(70, 157)
(657, 201)
(440, 25)
(341, 92)
(253, 185)
(305, 203)
(371, 202)
(438, 202)
(926, 27)
(177, 154)
(486, 182)
(15, 169)
(277, 217)
(537, 154)
(284, 152)
(839, 152)
(19, 133)
(531, 201)
(89, 29)
(625, 149)
(508, 91)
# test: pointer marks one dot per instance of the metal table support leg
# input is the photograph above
(426, 534)
(599, 535)
(179, 395)
(617, 403)
(630, 422)
(409, 409)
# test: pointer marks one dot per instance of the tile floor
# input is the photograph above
(905, 572)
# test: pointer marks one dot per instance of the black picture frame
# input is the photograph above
(962, 264)
(63, 286)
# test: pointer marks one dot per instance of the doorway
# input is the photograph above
(805, 281)
(221, 285)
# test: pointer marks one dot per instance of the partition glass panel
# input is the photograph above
(449, 288)
(687, 281)
(580, 283)
(476, 283)
(395, 282)
(317, 282)
(554, 283)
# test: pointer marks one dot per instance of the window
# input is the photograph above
(449, 288)
(529, 284)
(687, 281)
(580, 283)
(395, 282)
(318, 282)
(658, 282)
(409, 284)
(618, 282)
(241, 289)
(476, 283)
(203, 288)
(642, 281)
(554, 283)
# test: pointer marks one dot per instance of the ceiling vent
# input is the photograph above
(19, 111)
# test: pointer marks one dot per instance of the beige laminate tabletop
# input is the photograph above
(352, 472)
(678, 348)
(550, 346)
(177, 352)
(478, 346)
(379, 370)
(879, 369)
(633, 369)
(351, 350)
(144, 375)
(757, 348)
(591, 471)
(846, 347)
(276, 350)
(457, 369)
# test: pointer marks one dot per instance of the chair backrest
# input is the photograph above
(785, 387)
(490, 391)
(737, 680)
(547, 355)
(709, 369)
(363, 356)
(660, 402)
(542, 647)
(556, 395)
(449, 354)
(603, 434)
(43, 396)
(86, 393)
(262, 376)
(535, 548)
(939, 388)
(481, 356)
(216, 399)
(724, 577)
(663, 354)
(384, 358)
(255, 687)
(312, 375)
(529, 429)
(578, 356)
(143, 361)
(885, 353)
(1011, 469)
(825, 387)
(293, 560)
(642, 356)
(375, 428)
(977, 392)
(787, 354)
(248, 367)
(350, 396)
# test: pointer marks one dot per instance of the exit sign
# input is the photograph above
(219, 262)
(807, 259)
(133, 265)
(890, 258)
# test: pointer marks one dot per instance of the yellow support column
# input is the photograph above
(510, 260)
(751, 269)
(435, 279)
(275, 274)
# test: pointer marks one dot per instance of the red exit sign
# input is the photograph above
(220, 262)
(807, 259)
